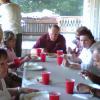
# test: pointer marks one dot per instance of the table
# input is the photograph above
(59, 74)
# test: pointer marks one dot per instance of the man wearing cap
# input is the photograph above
(52, 41)
(10, 14)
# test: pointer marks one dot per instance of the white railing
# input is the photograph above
(38, 26)
(69, 23)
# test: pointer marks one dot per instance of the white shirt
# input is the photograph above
(87, 62)
(4, 94)
(10, 17)
(85, 56)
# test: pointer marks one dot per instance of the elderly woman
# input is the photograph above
(88, 43)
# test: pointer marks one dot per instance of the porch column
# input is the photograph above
(91, 16)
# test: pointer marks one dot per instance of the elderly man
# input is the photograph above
(11, 21)
(52, 41)
(93, 73)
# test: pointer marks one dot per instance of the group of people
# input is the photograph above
(86, 59)
(85, 56)
(10, 50)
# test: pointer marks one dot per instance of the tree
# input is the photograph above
(62, 7)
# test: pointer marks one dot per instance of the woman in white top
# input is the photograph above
(88, 43)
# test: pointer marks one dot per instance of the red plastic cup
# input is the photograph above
(43, 57)
(70, 86)
(17, 61)
(46, 78)
(59, 60)
(59, 52)
(38, 51)
(54, 96)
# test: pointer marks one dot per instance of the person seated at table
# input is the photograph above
(93, 73)
(12, 77)
(9, 42)
(8, 93)
(52, 41)
(88, 43)
(78, 48)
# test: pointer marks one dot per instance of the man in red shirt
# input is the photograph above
(52, 41)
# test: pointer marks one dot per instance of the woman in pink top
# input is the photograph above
(10, 41)
(13, 61)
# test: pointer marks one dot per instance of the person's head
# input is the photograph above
(96, 57)
(54, 32)
(86, 39)
(4, 1)
(9, 39)
(1, 34)
(3, 63)
(80, 30)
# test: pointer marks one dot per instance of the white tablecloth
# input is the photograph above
(59, 74)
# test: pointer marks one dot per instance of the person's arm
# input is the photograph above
(18, 90)
(84, 88)
(66, 63)
(11, 65)
(13, 91)
(94, 78)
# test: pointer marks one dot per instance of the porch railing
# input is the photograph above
(37, 26)
(69, 23)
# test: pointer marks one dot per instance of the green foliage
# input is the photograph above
(62, 7)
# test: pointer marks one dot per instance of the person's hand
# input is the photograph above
(85, 74)
(83, 88)
(27, 90)
(65, 61)
(26, 58)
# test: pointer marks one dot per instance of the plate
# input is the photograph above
(42, 95)
(32, 66)
(35, 68)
